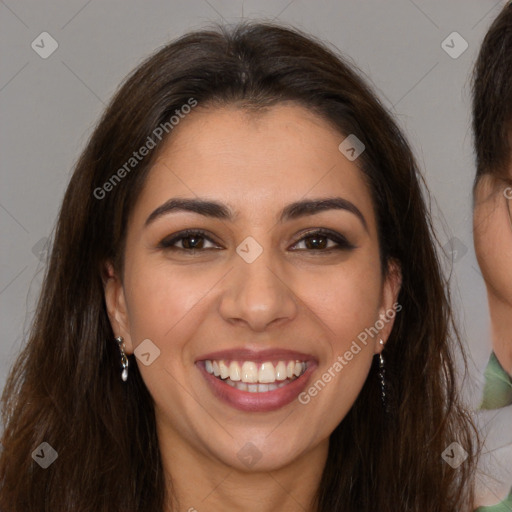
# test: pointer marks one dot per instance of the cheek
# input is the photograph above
(346, 298)
(350, 309)
(166, 306)
(160, 298)
(493, 247)
(348, 303)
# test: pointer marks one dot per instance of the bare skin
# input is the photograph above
(493, 246)
(296, 295)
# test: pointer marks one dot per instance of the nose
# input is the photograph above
(258, 294)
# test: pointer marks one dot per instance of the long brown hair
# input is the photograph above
(65, 388)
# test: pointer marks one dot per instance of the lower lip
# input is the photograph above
(257, 402)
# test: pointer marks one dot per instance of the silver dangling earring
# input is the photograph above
(124, 359)
(382, 380)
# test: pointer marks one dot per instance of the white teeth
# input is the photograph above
(234, 371)
(290, 368)
(281, 371)
(257, 388)
(224, 370)
(267, 373)
(249, 373)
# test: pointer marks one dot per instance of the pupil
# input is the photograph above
(192, 245)
(315, 243)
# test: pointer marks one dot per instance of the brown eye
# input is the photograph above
(319, 241)
(190, 240)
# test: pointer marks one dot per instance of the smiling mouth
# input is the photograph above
(256, 377)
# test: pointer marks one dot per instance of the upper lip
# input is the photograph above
(257, 356)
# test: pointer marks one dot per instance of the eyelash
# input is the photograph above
(340, 240)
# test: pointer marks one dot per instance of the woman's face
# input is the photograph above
(492, 230)
(259, 295)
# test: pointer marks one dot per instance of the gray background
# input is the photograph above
(49, 107)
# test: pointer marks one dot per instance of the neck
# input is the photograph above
(501, 322)
(197, 481)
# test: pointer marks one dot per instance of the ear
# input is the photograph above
(116, 306)
(389, 303)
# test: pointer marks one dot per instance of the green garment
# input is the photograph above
(498, 386)
(504, 506)
(497, 394)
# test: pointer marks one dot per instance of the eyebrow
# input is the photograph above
(220, 211)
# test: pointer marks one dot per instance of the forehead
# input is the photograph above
(254, 162)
